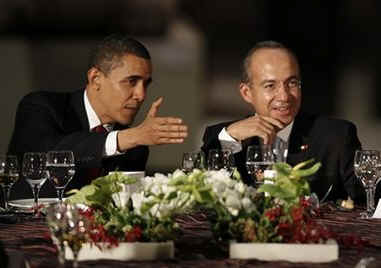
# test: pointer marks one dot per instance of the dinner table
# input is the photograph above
(26, 243)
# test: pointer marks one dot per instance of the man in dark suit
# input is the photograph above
(271, 84)
(93, 123)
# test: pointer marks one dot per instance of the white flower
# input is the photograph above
(240, 187)
(247, 205)
(178, 173)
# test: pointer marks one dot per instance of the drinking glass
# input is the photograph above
(60, 167)
(68, 225)
(259, 158)
(192, 160)
(367, 165)
(221, 159)
(9, 174)
(34, 171)
(280, 150)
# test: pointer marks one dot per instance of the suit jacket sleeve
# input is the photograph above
(41, 126)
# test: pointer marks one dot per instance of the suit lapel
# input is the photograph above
(300, 140)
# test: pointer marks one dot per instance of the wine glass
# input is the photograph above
(68, 225)
(34, 171)
(9, 174)
(221, 159)
(60, 166)
(192, 160)
(280, 150)
(367, 164)
(259, 159)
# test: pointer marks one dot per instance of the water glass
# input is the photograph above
(9, 174)
(280, 150)
(367, 164)
(221, 159)
(192, 160)
(68, 225)
(60, 166)
(259, 159)
(34, 171)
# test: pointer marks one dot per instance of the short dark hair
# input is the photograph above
(112, 48)
(245, 74)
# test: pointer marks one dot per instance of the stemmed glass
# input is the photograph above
(34, 171)
(68, 225)
(60, 166)
(259, 159)
(366, 166)
(280, 150)
(9, 174)
(221, 159)
(192, 160)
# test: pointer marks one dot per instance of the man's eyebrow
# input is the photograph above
(137, 77)
(268, 81)
(274, 80)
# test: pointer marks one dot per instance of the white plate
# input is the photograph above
(28, 203)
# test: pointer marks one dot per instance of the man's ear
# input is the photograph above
(246, 93)
(94, 77)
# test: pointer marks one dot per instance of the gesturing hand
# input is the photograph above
(154, 130)
(257, 125)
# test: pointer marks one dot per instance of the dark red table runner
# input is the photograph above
(195, 249)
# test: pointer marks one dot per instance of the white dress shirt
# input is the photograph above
(111, 140)
(229, 143)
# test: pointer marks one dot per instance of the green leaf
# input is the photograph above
(306, 172)
(81, 196)
(303, 164)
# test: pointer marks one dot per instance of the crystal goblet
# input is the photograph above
(68, 226)
(367, 165)
(34, 171)
(60, 165)
(9, 174)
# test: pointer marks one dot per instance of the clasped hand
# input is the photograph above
(261, 126)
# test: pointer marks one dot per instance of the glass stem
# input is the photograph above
(6, 191)
(75, 259)
(59, 195)
(61, 254)
(370, 200)
(36, 191)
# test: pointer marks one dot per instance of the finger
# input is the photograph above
(168, 120)
(176, 134)
(182, 128)
(155, 107)
(274, 121)
(170, 140)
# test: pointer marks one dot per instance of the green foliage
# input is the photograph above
(290, 183)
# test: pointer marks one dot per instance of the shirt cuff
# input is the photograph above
(111, 147)
(228, 142)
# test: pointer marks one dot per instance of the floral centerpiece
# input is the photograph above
(278, 212)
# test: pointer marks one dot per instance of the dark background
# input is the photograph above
(337, 43)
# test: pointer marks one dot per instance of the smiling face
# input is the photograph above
(274, 87)
(117, 96)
